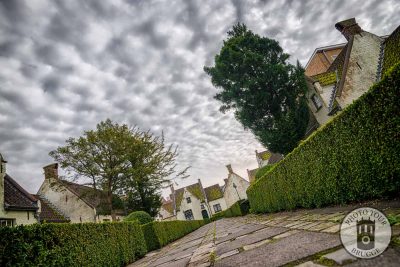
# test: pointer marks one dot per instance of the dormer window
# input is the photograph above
(188, 200)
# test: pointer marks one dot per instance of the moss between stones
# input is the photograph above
(196, 191)
(325, 78)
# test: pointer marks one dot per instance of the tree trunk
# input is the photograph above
(109, 200)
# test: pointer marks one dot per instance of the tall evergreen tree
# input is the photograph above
(266, 92)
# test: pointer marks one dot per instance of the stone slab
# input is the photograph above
(292, 248)
(249, 239)
(228, 254)
(173, 256)
(299, 226)
(332, 229)
(178, 263)
(286, 234)
(309, 264)
(389, 258)
(294, 223)
(250, 229)
(340, 256)
(257, 244)
(321, 226)
(310, 225)
(296, 217)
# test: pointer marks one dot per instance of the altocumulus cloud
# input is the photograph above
(66, 65)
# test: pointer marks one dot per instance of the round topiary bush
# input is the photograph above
(141, 216)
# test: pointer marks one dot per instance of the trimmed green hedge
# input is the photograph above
(356, 156)
(263, 170)
(87, 244)
(158, 234)
(239, 208)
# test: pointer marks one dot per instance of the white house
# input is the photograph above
(17, 206)
(235, 187)
(194, 202)
(263, 158)
(77, 202)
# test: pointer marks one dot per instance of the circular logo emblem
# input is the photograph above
(365, 232)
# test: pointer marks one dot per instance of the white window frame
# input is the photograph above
(316, 101)
(7, 222)
(217, 207)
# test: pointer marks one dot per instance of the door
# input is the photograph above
(205, 214)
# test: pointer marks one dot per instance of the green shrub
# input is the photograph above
(141, 216)
(87, 244)
(158, 234)
(353, 157)
(263, 170)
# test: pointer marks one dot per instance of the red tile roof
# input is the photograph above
(17, 198)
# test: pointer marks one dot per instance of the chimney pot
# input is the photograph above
(229, 167)
(51, 171)
(348, 27)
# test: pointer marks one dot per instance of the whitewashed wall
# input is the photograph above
(220, 201)
(195, 206)
(67, 202)
(230, 194)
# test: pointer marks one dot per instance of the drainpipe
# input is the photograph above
(205, 198)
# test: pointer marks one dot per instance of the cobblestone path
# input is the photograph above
(303, 238)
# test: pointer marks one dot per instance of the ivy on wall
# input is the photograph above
(325, 78)
(392, 50)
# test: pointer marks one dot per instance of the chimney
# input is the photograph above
(51, 171)
(348, 28)
(2, 166)
(2, 175)
(229, 167)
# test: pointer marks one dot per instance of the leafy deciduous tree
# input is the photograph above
(121, 161)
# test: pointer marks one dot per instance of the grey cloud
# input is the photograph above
(66, 65)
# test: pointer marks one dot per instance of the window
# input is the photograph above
(7, 222)
(217, 207)
(188, 215)
(202, 206)
(317, 101)
(188, 200)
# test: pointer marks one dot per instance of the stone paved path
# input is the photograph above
(301, 238)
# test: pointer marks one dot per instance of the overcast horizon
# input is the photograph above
(66, 65)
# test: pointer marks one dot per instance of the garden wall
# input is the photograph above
(356, 156)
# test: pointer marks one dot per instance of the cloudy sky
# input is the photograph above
(66, 65)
